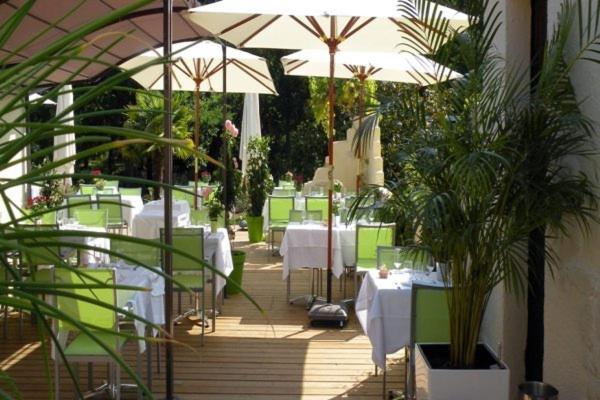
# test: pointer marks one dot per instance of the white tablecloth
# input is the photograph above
(305, 245)
(217, 244)
(88, 256)
(132, 206)
(148, 222)
(383, 308)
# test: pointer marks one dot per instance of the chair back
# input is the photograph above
(296, 215)
(37, 253)
(314, 215)
(185, 193)
(402, 257)
(283, 192)
(78, 202)
(50, 217)
(87, 189)
(130, 191)
(316, 203)
(199, 216)
(430, 320)
(92, 218)
(112, 184)
(368, 238)
(108, 190)
(78, 309)
(279, 209)
(190, 241)
(113, 206)
(142, 253)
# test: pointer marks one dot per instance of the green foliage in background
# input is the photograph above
(259, 181)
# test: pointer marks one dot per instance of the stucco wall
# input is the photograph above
(504, 326)
(572, 308)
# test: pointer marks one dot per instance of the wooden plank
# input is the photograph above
(249, 356)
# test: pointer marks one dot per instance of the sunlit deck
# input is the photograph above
(248, 357)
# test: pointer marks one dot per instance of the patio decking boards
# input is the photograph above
(248, 357)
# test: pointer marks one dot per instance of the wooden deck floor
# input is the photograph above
(248, 357)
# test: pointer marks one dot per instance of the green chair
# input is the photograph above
(144, 254)
(313, 203)
(50, 218)
(402, 257)
(102, 321)
(112, 184)
(368, 238)
(130, 191)
(283, 192)
(41, 251)
(314, 215)
(430, 323)
(113, 206)
(185, 193)
(78, 202)
(87, 189)
(199, 216)
(188, 274)
(92, 218)
(107, 190)
(296, 216)
(279, 215)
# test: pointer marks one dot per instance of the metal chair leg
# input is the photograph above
(384, 383)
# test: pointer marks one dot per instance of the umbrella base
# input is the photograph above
(323, 313)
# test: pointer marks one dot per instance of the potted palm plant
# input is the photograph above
(466, 191)
(258, 181)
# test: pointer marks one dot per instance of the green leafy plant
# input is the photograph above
(464, 189)
(259, 180)
(214, 205)
(147, 115)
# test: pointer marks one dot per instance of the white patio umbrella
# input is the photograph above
(363, 66)
(33, 97)
(195, 68)
(335, 25)
(250, 125)
(66, 141)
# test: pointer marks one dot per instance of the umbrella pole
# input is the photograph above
(331, 99)
(196, 137)
(225, 146)
(168, 205)
(361, 115)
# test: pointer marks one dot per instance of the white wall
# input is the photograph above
(16, 194)
(572, 304)
(504, 325)
(572, 308)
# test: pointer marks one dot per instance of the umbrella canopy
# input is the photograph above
(67, 141)
(198, 67)
(199, 63)
(390, 67)
(250, 125)
(335, 25)
(33, 97)
(377, 25)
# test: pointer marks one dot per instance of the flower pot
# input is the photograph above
(434, 381)
(255, 229)
(238, 271)
(214, 226)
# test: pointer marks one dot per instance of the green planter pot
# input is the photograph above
(255, 229)
(238, 270)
